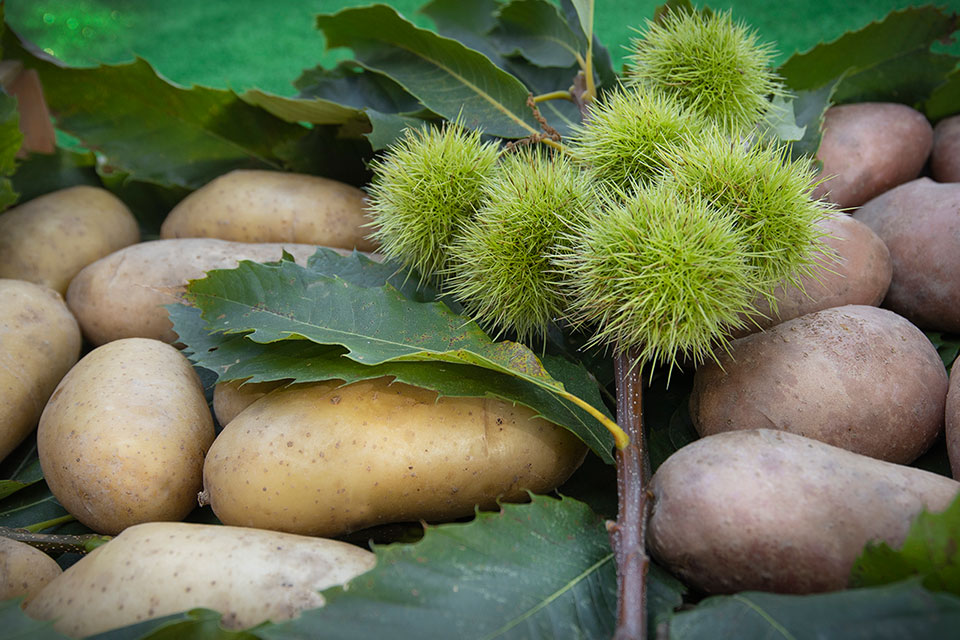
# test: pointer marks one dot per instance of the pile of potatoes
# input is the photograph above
(127, 441)
(807, 422)
(807, 425)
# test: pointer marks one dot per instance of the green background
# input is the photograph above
(242, 44)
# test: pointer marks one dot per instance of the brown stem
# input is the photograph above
(628, 533)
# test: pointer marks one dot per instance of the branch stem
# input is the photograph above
(553, 95)
(628, 533)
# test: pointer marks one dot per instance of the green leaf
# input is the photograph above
(156, 131)
(41, 173)
(455, 17)
(349, 84)
(898, 35)
(539, 570)
(536, 30)
(443, 74)
(385, 333)
(389, 127)
(667, 416)
(930, 551)
(780, 122)
(909, 79)
(894, 612)
(602, 64)
(313, 110)
(810, 107)
(948, 346)
(20, 469)
(585, 14)
(945, 99)
(16, 625)
(10, 141)
(29, 506)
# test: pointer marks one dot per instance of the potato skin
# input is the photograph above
(855, 377)
(920, 224)
(230, 398)
(772, 511)
(273, 206)
(953, 420)
(945, 157)
(325, 460)
(857, 272)
(156, 569)
(123, 437)
(49, 239)
(122, 295)
(24, 571)
(39, 342)
(869, 148)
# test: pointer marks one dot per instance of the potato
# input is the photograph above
(920, 224)
(24, 570)
(122, 295)
(123, 437)
(230, 398)
(49, 239)
(858, 271)
(856, 377)
(945, 157)
(953, 420)
(870, 147)
(157, 569)
(273, 206)
(39, 342)
(322, 459)
(772, 511)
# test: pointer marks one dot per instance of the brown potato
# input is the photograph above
(24, 571)
(855, 377)
(857, 272)
(123, 437)
(953, 420)
(945, 157)
(870, 147)
(161, 568)
(321, 459)
(122, 295)
(920, 224)
(49, 239)
(772, 511)
(273, 206)
(39, 342)
(230, 398)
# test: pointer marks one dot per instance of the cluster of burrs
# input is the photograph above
(659, 225)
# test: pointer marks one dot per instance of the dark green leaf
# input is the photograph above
(313, 110)
(909, 79)
(349, 84)
(895, 612)
(562, 115)
(16, 625)
(10, 140)
(899, 34)
(388, 127)
(41, 173)
(602, 64)
(156, 131)
(810, 107)
(540, 570)
(238, 357)
(945, 99)
(20, 469)
(948, 346)
(536, 30)
(467, 22)
(667, 416)
(29, 506)
(330, 151)
(931, 551)
(149, 202)
(197, 624)
(443, 74)
(935, 460)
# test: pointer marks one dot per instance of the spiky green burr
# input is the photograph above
(427, 185)
(661, 273)
(500, 269)
(711, 64)
(623, 140)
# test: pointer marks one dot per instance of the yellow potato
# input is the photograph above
(49, 239)
(24, 570)
(122, 295)
(273, 206)
(123, 437)
(230, 398)
(772, 511)
(39, 342)
(157, 569)
(321, 459)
